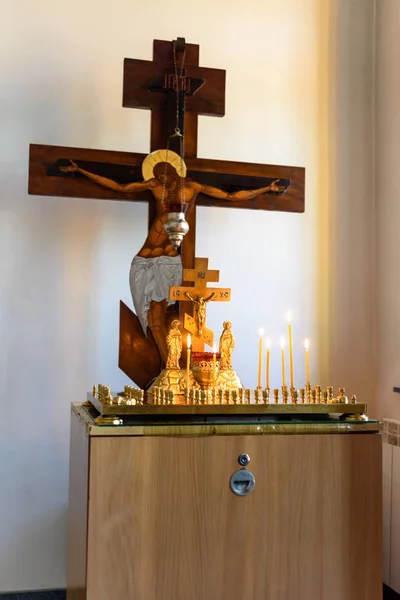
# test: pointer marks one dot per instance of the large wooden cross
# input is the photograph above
(153, 85)
(199, 276)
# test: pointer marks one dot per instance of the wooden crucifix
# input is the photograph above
(156, 85)
(199, 295)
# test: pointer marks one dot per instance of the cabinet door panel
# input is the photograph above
(165, 525)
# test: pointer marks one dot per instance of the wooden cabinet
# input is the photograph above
(154, 518)
(391, 515)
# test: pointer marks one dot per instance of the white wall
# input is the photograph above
(388, 205)
(299, 92)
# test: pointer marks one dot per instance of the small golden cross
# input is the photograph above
(200, 275)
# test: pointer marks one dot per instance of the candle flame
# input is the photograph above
(306, 344)
(268, 343)
(189, 340)
(282, 342)
(289, 316)
(261, 332)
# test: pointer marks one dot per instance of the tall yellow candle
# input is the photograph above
(214, 364)
(283, 361)
(189, 342)
(290, 349)
(268, 343)
(307, 345)
(260, 353)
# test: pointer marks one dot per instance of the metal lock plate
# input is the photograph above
(242, 482)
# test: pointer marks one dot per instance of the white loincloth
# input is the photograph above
(150, 279)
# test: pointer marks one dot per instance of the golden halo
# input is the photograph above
(158, 156)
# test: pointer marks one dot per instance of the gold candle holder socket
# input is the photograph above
(354, 399)
(295, 396)
(308, 393)
(235, 396)
(330, 394)
(342, 398)
(318, 394)
(197, 396)
(129, 392)
(325, 397)
(285, 394)
(313, 396)
(104, 393)
(221, 396)
(276, 396)
(241, 395)
(248, 396)
(302, 395)
(265, 395)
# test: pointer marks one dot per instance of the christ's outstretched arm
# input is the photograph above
(195, 300)
(210, 297)
(209, 190)
(136, 186)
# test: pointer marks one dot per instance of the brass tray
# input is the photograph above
(206, 425)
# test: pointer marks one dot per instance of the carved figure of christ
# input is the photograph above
(152, 281)
(167, 186)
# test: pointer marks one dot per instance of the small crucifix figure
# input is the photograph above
(199, 294)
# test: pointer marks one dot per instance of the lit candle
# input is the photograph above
(188, 362)
(289, 316)
(214, 363)
(268, 343)
(306, 346)
(260, 352)
(283, 361)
